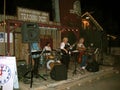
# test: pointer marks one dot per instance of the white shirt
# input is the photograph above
(62, 45)
(46, 48)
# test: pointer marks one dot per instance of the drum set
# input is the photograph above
(50, 58)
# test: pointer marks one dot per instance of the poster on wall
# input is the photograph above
(3, 37)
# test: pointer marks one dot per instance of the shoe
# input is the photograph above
(82, 70)
(83, 67)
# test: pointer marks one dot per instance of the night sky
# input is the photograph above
(105, 12)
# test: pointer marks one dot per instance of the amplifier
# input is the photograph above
(59, 72)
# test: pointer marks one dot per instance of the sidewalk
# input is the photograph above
(73, 79)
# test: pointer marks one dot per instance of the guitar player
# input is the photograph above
(82, 58)
(65, 46)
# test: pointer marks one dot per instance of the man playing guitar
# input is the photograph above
(64, 46)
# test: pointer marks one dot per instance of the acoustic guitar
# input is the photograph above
(68, 48)
(81, 53)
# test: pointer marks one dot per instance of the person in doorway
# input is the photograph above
(82, 58)
(65, 46)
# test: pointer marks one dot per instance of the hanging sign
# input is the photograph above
(32, 15)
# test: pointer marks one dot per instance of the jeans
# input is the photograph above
(84, 60)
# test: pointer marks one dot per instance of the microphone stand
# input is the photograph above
(75, 62)
(31, 68)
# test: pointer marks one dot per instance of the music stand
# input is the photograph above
(75, 53)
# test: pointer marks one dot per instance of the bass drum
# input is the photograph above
(50, 64)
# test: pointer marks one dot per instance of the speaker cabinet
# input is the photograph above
(21, 68)
(59, 72)
(92, 66)
(30, 32)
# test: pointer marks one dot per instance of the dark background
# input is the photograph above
(106, 13)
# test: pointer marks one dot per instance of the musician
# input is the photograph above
(36, 57)
(64, 46)
(92, 52)
(82, 58)
(47, 50)
(47, 47)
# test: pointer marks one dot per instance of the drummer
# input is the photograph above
(47, 49)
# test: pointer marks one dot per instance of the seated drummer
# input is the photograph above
(47, 49)
(82, 58)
